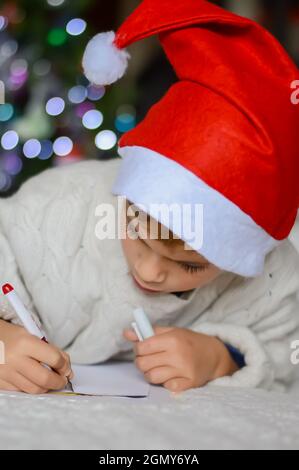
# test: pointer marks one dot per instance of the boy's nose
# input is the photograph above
(150, 270)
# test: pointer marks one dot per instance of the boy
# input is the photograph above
(83, 289)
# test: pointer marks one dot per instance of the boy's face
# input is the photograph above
(165, 268)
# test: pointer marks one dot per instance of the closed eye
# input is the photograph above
(191, 268)
(187, 267)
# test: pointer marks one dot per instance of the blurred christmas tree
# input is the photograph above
(51, 114)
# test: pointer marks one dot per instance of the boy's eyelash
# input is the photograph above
(192, 269)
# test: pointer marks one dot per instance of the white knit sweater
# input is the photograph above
(80, 288)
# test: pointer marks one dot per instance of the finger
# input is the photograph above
(43, 352)
(16, 381)
(25, 385)
(71, 375)
(150, 361)
(159, 375)
(66, 370)
(152, 345)
(178, 384)
(130, 335)
(8, 386)
(40, 375)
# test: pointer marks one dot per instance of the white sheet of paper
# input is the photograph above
(112, 378)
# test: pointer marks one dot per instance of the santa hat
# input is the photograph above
(224, 135)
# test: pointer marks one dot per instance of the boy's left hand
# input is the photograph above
(180, 358)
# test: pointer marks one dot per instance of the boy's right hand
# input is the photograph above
(22, 369)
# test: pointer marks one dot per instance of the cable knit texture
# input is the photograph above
(80, 289)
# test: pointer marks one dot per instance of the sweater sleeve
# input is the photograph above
(260, 317)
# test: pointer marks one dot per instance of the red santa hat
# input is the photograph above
(224, 135)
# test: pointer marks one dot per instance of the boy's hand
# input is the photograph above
(181, 359)
(24, 353)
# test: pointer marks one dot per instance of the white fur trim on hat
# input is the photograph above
(231, 239)
(103, 63)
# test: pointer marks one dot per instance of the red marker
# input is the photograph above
(22, 312)
(25, 316)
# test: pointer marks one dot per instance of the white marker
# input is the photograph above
(136, 329)
(143, 324)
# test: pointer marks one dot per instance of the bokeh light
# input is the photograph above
(62, 146)
(55, 3)
(9, 140)
(3, 23)
(92, 119)
(12, 163)
(77, 94)
(6, 112)
(95, 93)
(105, 140)
(125, 122)
(125, 118)
(76, 26)
(31, 148)
(46, 151)
(55, 106)
(19, 73)
(19, 67)
(8, 48)
(57, 37)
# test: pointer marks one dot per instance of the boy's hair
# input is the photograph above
(172, 239)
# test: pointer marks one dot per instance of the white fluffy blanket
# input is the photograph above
(212, 417)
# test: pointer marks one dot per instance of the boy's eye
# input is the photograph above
(186, 267)
(193, 269)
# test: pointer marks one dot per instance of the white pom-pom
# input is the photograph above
(103, 63)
